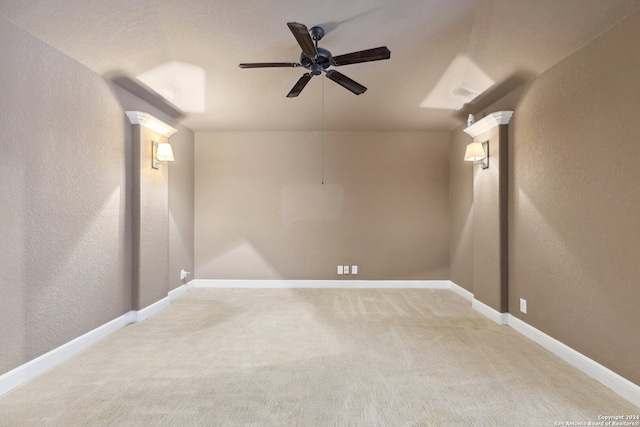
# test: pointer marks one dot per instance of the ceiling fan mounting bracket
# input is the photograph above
(317, 33)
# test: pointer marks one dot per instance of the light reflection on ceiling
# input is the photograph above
(181, 84)
(462, 82)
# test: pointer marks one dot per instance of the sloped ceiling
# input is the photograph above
(509, 41)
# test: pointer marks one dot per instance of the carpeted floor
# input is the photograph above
(311, 357)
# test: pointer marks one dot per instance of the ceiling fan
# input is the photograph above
(317, 60)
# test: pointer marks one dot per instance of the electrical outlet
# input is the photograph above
(345, 269)
(523, 305)
(354, 269)
(340, 270)
(184, 274)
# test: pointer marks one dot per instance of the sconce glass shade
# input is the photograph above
(165, 152)
(475, 152)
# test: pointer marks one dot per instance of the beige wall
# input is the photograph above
(163, 216)
(461, 176)
(461, 197)
(489, 220)
(575, 228)
(67, 174)
(261, 211)
(150, 222)
(181, 193)
(573, 195)
(65, 246)
(177, 193)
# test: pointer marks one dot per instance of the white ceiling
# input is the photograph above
(510, 41)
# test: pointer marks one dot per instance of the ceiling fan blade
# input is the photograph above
(375, 54)
(346, 82)
(301, 33)
(270, 65)
(300, 84)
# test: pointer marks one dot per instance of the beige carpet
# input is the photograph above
(309, 357)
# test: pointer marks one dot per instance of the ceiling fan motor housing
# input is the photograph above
(319, 63)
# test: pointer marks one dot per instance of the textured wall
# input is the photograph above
(262, 213)
(573, 196)
(181, 216)
(478, 202)
(461, 175)
(65, 248)
(461, 194)
(167, 199)
(574, 226)
(489, 220)
(150, 222)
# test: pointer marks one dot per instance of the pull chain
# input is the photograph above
(322, 131)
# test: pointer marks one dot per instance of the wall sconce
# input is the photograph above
(160, 152)
(478, 152)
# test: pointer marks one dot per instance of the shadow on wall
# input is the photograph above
(65, 152)
(76, 228)
(463, 235)
(490, 96)
(574, 192)
(565, 218)
(385, 195)
(571, 191)
(143, 92)
(181, 207)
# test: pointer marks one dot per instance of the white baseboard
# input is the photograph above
(37, 366)
(615, 382)
(180, 290)
(177, 292)
(23, 373)
(605, 376)
(461, 291)
(496, 316)
(144, 313)
(327, 284)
